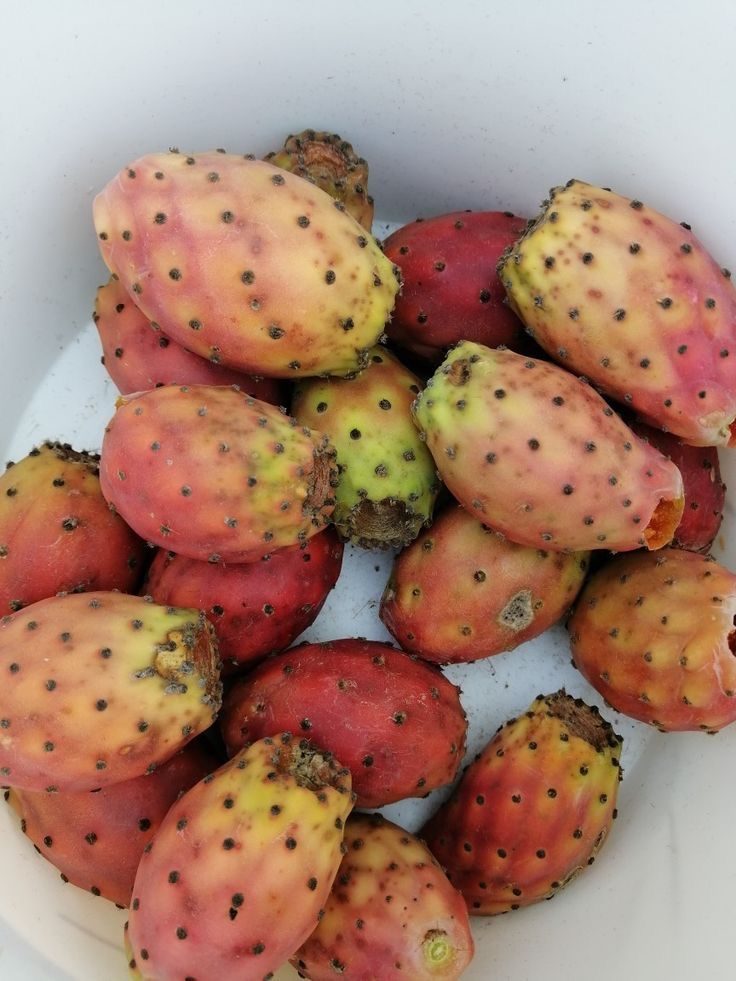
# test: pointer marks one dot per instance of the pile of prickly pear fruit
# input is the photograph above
(526, 413)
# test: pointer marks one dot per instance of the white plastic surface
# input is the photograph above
(455, 105)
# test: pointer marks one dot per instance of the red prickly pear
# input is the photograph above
(538, 455)
(101, 687)
(387, 484)
(246, 264)
(705, 492)
(96, 839)
(213, 474)
(237, 875)
(616, 291)
(256, 608)
(450, 291)
(654, 634)
(138, 356)
(365, 701)
(331, 163)
(57, 533)
(532, 809)
(461, 592)
(392, 912)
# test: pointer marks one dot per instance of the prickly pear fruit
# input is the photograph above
(533, 808)
(138, 356)
(101, 687)
(245, 264)
(256, 608)
(365, 701)
(387, 484)
(654, 634)
(630, 298)
(392, 912)
(96, 839)
(242, 865)
(213, 474)
(332, 164)
(461, 591)
(57, 533)
(705, 492)
(538, 455)
(450, 290)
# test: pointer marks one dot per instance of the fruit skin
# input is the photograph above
(653, 633)
(242, 865)
(618, 292)
(214, 474)
(101, 687)
(256, 608)
(332, 164)
(365, 701)
(138, 356)
(96, 839)
(532, 809)
(705, 492)
(245, 264)
(450, 290)
(538, 455)
(392, 912)
(461, 591)
(57, 533)
(387, 484)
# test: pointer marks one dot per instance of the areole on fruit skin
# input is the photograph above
(538, 455)
(624, 295)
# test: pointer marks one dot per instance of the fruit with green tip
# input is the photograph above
(539, 456)
(256, 608)
(654, 634)
(57, 533)
(96, 839)
(387, 484)
(392, 912)
(213, 474)
(621, 293)
(365, 701)
(462, 592)
(246, 264)
(239, 871)
(101, 687)
(533, 808)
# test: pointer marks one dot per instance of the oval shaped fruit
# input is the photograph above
(654, 634)
(366, 702)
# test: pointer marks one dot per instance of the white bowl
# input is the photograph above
(461, 105)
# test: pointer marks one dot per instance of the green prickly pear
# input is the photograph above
(246, 264)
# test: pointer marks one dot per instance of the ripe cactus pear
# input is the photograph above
(392, 912)
(57, 533)
(533, 808)
(630, 298)
(138, 356)
(246, 264)
(256, 608)
(331, 163)
(387, 483)
(365, 701)
(461, 592)
(101, 687)
(654, 634)
(242, 865)
(96, 839)
(705, 492)
(538, 455)
(450, 291)
(211, 473)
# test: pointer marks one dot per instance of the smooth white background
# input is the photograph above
(455, 105)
